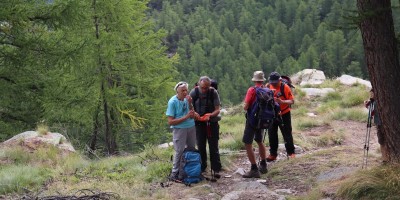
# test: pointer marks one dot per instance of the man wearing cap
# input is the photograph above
(284, 98)
(255, 134)
(181, 117)
(207, 103)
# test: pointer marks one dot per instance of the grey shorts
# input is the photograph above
(251, 134)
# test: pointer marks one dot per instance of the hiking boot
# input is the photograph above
(263, 169)
(293, 155)
(271, 158)
(254, 173)
(217, 175)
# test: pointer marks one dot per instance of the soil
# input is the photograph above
(294, 177)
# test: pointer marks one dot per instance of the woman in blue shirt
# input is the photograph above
(181, 117)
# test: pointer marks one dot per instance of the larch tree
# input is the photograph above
(382, 59)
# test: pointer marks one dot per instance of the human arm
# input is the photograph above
(175, 121)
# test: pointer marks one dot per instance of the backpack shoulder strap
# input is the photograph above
(283, 89)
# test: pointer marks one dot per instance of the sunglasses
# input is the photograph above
(179, 85)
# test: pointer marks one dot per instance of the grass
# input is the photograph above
(134, 176)
(381, 182)
(17, 177)
(355, 114)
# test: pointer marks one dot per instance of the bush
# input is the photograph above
(381, 182)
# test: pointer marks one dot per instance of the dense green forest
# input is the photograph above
(101, 72)
(229, 39)
(94, 71)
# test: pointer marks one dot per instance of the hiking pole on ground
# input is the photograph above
(368, 135)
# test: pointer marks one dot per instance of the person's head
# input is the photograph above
(258, 77)
(204, 84)
(181, 89)
(371, 94)
(274, 78)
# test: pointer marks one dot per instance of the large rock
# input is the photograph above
(350, 80)
(34, 140)
(309, 77)
(314, 92)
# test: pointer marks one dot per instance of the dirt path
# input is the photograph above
(293, 177)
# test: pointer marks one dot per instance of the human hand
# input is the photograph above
(189, 99)
(278, 100)
(205, 117)
(196, 116)
(366, 103)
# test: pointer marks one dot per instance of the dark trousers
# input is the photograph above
(286, 129)
(208, 132)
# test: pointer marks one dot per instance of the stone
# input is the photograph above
(311, 114)
(165, 145)
(314, 92)
(284, 191)
(232, 195)
(350, 80)
(335, 174)
(34, 140)
(282, 149)
(252, 185)
(240, 171)
(308, 77)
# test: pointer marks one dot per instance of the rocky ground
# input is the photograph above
(290, 178)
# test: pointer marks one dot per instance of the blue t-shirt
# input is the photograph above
(178, 109)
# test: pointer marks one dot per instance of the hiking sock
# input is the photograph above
(263, 162)
(254, 167)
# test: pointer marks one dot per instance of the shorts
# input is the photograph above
(251, 134)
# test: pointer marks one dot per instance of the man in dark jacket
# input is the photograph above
(206, 103)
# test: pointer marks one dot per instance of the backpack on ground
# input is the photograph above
(264, 110)
(190, 167)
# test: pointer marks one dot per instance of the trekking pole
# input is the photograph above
(367, 135)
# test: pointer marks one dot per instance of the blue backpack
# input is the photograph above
(190, 167)
(264, 110)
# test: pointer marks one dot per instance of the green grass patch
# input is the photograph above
(332, 96)
(17, 177)
(355, 114)
(354, 96)
(231, 129)
(329, 83)
(382, 182)
(306, 123)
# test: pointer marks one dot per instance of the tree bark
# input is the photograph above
(382, 58)
(93, 140)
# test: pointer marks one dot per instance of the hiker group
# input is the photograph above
(194, 118)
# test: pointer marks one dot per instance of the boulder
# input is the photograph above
(34, 140)
(308, 77)
(350, 80)
(314, 92)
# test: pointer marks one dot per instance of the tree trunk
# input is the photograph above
(110, 139)
(107, 124)
(382, 59)
(93, 140)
